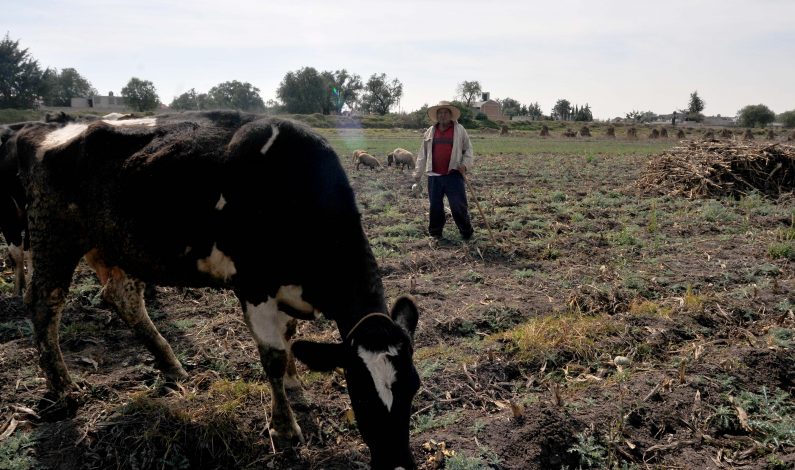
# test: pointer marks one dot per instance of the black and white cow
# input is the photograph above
(221, 199)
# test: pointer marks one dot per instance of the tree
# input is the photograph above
(787, 118)
(20, 76)
(752, 115)
(59, 88)
(236, 95)
(696, 104)
(510, 107)
(140, 95)
(561, 110)
(534, 111)
(584, 114)
(468, 91)
(381, 94)
(341, 89)
(303, 91)
(190, 100)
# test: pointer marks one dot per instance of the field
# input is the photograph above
(595, 324)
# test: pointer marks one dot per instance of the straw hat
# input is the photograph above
(443, 104)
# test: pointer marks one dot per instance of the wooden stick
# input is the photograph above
(486, 220)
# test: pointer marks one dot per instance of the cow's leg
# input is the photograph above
(291, 380)
(45, 298)
(18, 256)
(127, 296)
(270, 329)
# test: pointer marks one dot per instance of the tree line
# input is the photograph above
(25, 85)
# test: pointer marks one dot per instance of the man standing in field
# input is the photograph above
(445, 156)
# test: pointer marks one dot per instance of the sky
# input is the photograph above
(614, 55)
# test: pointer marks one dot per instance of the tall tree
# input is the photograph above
(140, 95)
(510, 107)
(20, 76)
(696, 104)
(787, 118)
(61, 87)
(562, 110)
(342, 88)
(534, 110)
(583, 114)
(190, 100)
(303, 91)
(236, 95)
(380, 94)
(753, 115)
(468, 91)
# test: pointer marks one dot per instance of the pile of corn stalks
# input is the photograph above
(719, 169)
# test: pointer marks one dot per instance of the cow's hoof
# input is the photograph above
(57, 406)
(287, 439)
(175, 374)
(292, 382)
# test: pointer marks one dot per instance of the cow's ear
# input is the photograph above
(321, 357)
(405, 314)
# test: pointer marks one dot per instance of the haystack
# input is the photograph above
(771, 135)
(632, 132)
(664, 133)
(749, 135)
(503, 130)
(654, 134)
(611, 132)
(569, 133)
(544, 131)
(680, 134)
(720, 169)
(585, 132)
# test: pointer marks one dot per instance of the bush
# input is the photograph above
(10, 115)
(787, 119)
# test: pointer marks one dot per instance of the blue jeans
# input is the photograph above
(450, 185)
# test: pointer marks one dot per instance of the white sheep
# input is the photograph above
(401, 157)
(368, 160)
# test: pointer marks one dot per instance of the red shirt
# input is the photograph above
(442, 149)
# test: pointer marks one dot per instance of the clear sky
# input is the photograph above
(616, 55)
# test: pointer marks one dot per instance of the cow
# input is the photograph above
(13, 218)
(222, 199)
(402, 158)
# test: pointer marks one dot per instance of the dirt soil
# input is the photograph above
(691, 310)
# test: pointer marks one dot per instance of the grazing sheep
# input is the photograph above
(611, 132)
(585, 132)
(680, 134)
(544, 131)
(664, 133)
(368, 160)
(654, 134)
(771, 135)
(401, 157)
(503, 130)
(569, 133)
(355, 155)
(632, 133)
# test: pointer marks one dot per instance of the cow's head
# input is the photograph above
(382, 381)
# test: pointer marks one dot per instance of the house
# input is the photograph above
(107, 103)
(491, 108)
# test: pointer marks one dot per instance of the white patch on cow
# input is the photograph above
(221, 203)
(114, 116)
(274, 134)
(292, 296)
(187, 250)
(217, 264)
(72, 206)
(59, 137)
(148, 122)
(382, 370)
(268, 325)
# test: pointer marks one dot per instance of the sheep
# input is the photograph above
(355, 155)
(368, 160)
(402, 158)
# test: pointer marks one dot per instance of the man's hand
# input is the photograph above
(462, 169)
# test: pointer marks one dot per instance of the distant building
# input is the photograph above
(491, 108)
(105, 103)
